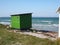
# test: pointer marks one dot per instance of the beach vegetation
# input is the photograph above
(11, 38)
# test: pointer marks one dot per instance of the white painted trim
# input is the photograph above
(59, 27)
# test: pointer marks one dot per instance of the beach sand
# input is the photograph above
(48, 35)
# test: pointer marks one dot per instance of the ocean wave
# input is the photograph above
(43, 22)
(55, 25)
(5, 23)
(46, 21)
(5, 20)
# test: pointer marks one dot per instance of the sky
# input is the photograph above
(38, 8)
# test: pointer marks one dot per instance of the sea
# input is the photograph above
(39, 23)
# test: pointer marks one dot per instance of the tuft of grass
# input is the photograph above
(3, 26)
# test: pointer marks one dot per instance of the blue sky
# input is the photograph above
(39, 8)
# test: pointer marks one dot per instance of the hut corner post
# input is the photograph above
(59, 27)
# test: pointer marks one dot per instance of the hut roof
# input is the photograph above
(58, 10)
(21, 14)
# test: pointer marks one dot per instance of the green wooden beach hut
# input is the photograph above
(21, 21)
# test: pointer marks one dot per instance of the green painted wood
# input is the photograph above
(15, 22)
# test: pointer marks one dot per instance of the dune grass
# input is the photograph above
(11, 38)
